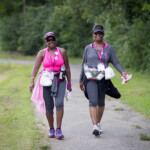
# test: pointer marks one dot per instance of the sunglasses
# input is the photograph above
(52, 39)
(99, 32)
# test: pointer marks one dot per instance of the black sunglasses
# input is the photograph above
(99, 32)
(53, 39)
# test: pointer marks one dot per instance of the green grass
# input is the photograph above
(45, 147)
(15, 55)
(75, 60)
(136, 92)
(144, 137)
(18, 56)
(119, 109)
(17, 125)
(138, 127)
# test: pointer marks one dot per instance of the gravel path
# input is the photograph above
(121, 128)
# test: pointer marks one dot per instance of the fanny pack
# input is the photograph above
(92, 73)
(98, 74)
(46, 78)
(109, 73)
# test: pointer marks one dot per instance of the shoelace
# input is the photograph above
(59, 131)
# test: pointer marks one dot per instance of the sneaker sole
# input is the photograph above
(51, 136)
(96, 132)
(57, 137)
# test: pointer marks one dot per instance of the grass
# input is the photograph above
(144, 137)
(75, 60)
(119, 109)
(17, 126)
(135, 93)
(15, 55)
(138, 127)
(18, 56)
(45, 147)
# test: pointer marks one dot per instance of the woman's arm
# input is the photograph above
(114, 60)
(68, 73)
(38, 61)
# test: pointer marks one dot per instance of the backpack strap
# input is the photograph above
(60, 49)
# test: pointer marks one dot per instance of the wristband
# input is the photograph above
(124, 74)
(68, 84)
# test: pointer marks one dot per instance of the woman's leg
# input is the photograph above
(50, 119)
(100, 110)
(101, 104)
(93, 115)
(59, 102)
(100, 107)
(59, 114)
(49, 104)
(92, 90)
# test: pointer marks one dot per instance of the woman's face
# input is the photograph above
(98, 36)
(51, 42)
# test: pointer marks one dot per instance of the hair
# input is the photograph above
(98, 25)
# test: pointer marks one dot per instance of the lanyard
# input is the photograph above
(100, 55)
(53, 61)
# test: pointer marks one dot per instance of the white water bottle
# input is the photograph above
(62, 70)
(68, 95)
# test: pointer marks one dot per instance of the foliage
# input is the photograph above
(126, 24)
(68, 28)
(10, 33)
(31, 37)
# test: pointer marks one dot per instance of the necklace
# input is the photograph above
(55, 58)
(100, 55)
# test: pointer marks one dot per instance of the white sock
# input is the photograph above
(98, 124)
(95, 127)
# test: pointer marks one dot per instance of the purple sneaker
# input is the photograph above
(51, 133)
(59, 134)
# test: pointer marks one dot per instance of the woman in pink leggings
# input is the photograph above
(53, 58)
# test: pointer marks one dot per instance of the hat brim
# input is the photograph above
(98, 30)
(50, 36)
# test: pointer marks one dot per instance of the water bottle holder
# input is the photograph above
(63, 75)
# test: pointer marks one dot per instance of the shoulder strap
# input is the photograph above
(60, 49)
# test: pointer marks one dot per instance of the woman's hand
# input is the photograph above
(126, 77)
(31, 86)
(69, 88)
(81, 86)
